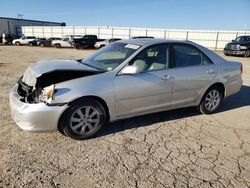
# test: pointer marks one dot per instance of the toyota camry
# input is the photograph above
(126, 78)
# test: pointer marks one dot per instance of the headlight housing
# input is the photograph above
(48, 93)
(243, 47)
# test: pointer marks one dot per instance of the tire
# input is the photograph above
(211, 100)
(17, 43)
(30, 44)
(58, 45)
(77, 46)
(247, 54)
(41, 45)
(76, 125)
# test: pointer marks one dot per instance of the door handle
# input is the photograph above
(167, 77)
(211, 71)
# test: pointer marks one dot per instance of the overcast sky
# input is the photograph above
(170, 14)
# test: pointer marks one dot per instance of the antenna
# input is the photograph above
(20, 16)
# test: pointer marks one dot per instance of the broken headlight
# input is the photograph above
(47, 93)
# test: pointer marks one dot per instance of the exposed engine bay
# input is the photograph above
(34, 93)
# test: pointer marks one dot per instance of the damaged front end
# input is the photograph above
(34, 89)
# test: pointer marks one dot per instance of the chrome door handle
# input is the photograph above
(210, 71)
(167, 77)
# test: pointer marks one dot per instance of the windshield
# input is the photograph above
(242, 39)
(111, 56)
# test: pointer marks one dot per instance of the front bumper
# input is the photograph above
(234, 52)
(34, 117)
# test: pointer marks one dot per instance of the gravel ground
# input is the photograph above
(179, 148)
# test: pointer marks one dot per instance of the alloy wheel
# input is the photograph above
(84, 120)
(212, 100)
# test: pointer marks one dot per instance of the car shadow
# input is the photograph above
(240, 99)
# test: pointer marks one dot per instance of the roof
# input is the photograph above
(150, 41)
(17, 19)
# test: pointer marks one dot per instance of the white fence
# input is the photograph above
(215, 40)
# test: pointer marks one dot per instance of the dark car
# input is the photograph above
(142, 37)
(48, 42)
(240, 46)
(36, 41)
(87, 41)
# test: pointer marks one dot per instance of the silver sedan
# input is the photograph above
(124, 79)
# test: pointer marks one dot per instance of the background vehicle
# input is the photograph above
(36, 41)
(65, 42)
(142, 37)
(103, 43)
(124, 79)
(240, 46)
(23, 40)
(48, 41)
(87, 41)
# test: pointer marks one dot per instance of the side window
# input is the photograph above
(187, 55)
(66, 39)
(152, 58)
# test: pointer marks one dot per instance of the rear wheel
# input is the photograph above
(211, 100)
(17, 43)
(83, 119)
(41, 44)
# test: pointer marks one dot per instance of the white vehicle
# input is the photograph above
(103, 43)
(23, 40)
(66, 41)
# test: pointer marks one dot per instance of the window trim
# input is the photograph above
(152, 46)
(173, 57)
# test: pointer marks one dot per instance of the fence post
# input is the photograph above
(33, 31)
(216, 42)
(165, 34)
(43, 31)
(85, 30)
(237, 35)
(129, 33)
(73, 30)
(62, 32)
(187, 35)
(146, 32)
(112, 32)
(98, 32)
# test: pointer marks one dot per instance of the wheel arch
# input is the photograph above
(99, 99)
(217, 84)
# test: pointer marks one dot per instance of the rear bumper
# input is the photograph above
(233, 87)
(34, 117)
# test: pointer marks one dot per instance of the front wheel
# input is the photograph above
(77, 46)
(17, 43)
(83, 119)
(211, 100)
(247, 54)
(58, 45)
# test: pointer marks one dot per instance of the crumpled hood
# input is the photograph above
(38, 69)
(42, 67)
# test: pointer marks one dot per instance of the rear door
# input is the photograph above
(193, 72)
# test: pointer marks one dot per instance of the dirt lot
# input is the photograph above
(179, 148)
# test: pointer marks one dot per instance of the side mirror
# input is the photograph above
(233, 40)
(130, 70)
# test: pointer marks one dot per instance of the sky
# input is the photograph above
(169, 14)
